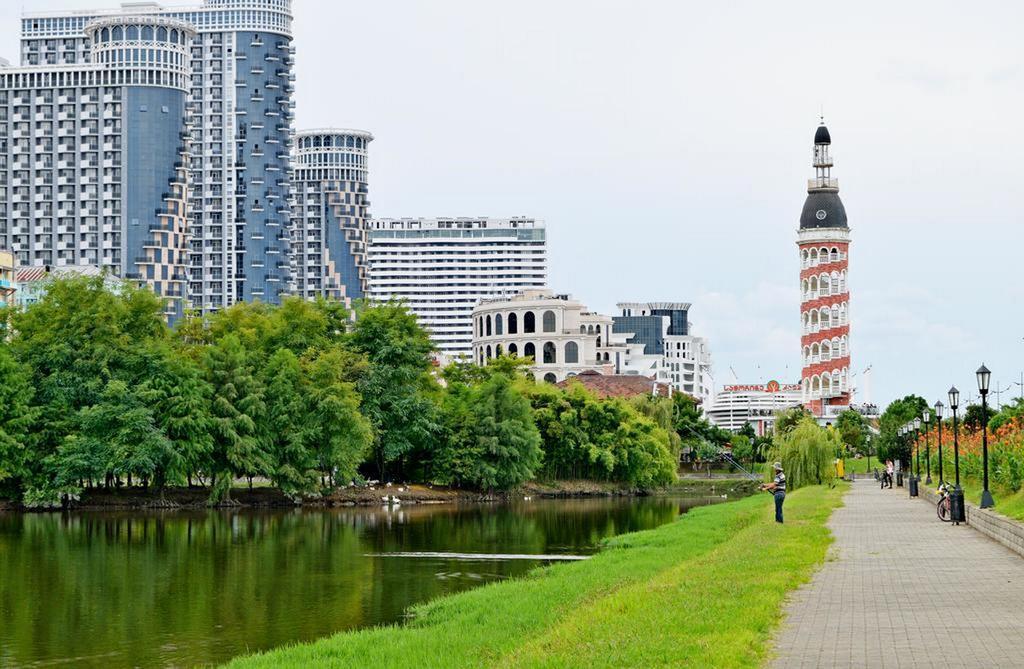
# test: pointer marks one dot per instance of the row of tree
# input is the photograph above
(96, 391)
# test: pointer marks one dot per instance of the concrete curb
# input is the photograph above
(1000, 529)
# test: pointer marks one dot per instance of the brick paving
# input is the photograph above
(902, 589)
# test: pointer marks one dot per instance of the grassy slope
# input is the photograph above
(704, 591)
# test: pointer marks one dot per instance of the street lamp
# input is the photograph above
(926, 418)
(984, 376)
(917, 445)
(956, 496)
(939, 407)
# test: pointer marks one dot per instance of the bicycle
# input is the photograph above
(943, 506)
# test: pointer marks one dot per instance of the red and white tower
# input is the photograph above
(824, 241)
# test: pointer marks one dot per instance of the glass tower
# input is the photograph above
(94, 153)
(239, 110)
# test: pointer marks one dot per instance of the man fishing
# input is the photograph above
(778, 490)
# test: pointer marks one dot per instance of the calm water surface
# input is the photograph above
(182, 588)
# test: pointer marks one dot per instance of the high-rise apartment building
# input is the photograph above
(330, 213)
(443, 267)
(239, 112)
(94, 152)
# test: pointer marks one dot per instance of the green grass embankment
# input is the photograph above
(705, 591)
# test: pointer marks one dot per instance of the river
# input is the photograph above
(181, 588)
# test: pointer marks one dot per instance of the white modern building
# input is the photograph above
(443, 267)
(658, 344)
(330, 212)
(757, 404)
(560, 334)
(236, 68)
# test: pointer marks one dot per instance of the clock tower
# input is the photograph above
(824, 243)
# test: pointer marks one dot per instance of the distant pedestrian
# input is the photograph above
(778, 490)
(890, 469)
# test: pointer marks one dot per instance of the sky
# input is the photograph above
(667, 144)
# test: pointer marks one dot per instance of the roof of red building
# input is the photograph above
(617, 385)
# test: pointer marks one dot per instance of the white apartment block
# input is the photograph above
(443, 267)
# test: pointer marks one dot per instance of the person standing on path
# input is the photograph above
(778, 490)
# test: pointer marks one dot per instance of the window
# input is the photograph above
(530, 351)
(550, 378)
(487, 325)
(572, 352)
(513, 350)
(498, 329)
(513, 324)
(529, 322)
(549, 353)
(549, 321)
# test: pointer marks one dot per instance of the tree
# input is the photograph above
(807, 453)
(397, 387)
(505, 440)
(337, 435)
(237, 410)
(292, 463)
(77, 339)
(123, 428)
(787, 419)
(973, 417)
(891, 445)
(181, 399)
(16, 422)
(853, 430)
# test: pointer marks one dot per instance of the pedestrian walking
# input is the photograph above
(778, 490)
(890, 469)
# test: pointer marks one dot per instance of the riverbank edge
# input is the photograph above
(707, 589)
(265, 497)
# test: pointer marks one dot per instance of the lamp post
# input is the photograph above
(939, 407)
(912, 428)
(926, 418)
(917, 445)
(984, 376)
(957, 513)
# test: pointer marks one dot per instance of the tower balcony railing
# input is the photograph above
(823, 183)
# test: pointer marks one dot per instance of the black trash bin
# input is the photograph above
(913, 486)
(957, 512)
(899, 479)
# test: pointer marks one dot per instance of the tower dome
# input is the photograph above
(821, 135)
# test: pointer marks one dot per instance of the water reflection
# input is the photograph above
(193, 587)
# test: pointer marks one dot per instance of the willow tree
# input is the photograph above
(807, 453)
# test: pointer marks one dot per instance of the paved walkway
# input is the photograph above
(903, 589)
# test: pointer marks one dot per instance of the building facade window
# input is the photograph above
(572, 352)
(529, 323)
(549, 321)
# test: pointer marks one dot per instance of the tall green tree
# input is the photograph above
(17, 417)
(891, 445)
(397, 389)
(78, 338)
(505, 438)
(237, 410)
(293, 464)
(853, 429)
(181, 400)
(337, 434)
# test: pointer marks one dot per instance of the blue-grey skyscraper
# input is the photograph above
(94, 152)
(239, 111)
(330, 213)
